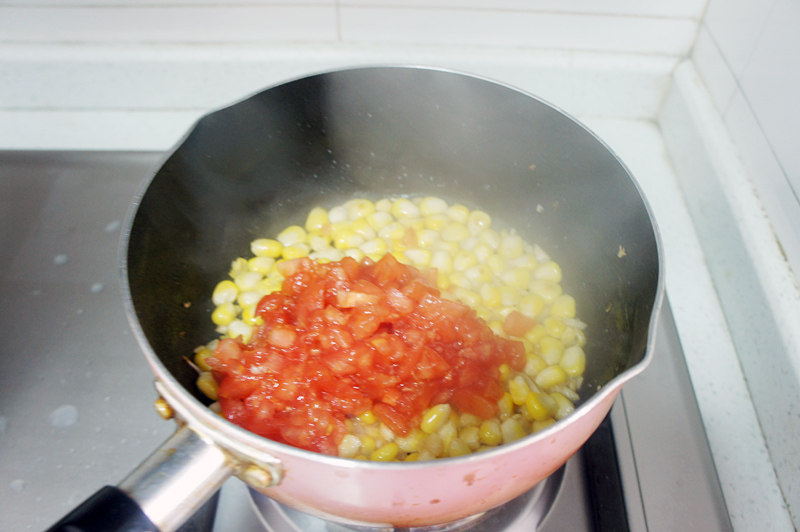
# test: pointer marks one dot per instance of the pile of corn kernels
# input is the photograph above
(493, 271)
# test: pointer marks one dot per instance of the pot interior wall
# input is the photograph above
(259, 165)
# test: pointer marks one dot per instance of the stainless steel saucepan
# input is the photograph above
(259, 165)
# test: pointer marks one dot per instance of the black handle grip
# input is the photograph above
(109, 509)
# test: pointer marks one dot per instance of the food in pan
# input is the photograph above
(398, 329)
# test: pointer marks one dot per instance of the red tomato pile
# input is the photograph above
(345, 337)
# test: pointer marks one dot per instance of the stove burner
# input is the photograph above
(521, 514)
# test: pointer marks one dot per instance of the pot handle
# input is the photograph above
(160, 494)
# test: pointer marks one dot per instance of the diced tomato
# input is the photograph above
(344, 337)
(517, 324)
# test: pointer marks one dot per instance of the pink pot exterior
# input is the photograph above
(435, 492)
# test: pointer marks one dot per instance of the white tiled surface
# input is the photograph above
(748, 55)
(619, 25)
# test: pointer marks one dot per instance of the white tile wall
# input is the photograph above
(748, 55)
(614, 25)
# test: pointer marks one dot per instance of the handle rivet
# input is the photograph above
(256, 477)
(163, 408)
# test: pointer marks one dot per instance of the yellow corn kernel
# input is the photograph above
(454, 232)
(249, 315)
(347, 239)
(261, 265)
(269, 284)
(392, 232)
(427, 238)
(543, 424)
(531, 305)
(379, 219)
(549, 271)
(250, 298)
(551, 349)
(448, 432)
(411, 457)
(535, 335)
(490, 295)
(266, 247)
(573, 361)
(368, 444)
(457, 448)
(385, 453)
(533, 365)
(458, 213)
(497, 264)
(491, 238)
(432, 205)
(470, 436)
(518, 278)
(238, 328)
(350, 446)
(436, 221)
(509, 296)
(359, 208)
(512, 430)
(563, 306)
(527, 260)
(432, 445)
(442, 261)
(564, 406)
(354, 253)
(367, 417)
(223, 314)
(293, 234)
(247, 280)
(404, 208)
(337, 214)
(206, 383)
(580, 337)
(505, 371)
(362, 227)
(511, 245)
(550, 376)
(238, 267)
(535, 407)
(478, 221)
(506, 405)
(547, 290)
(555, 326)
(225, 292)
(418, 256)
(317, 220)
(200, 356)
(490, 433)
(296, 251)
(518, 389)
(465, 295)
(383, 205)
(412, 442)
(435, 417)
(463, 260)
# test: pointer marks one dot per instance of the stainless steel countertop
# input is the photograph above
(76, 394)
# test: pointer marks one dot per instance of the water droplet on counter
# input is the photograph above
(112, 226)
(60, 259)
(18, 485)
(64, 416)
(96, 288)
